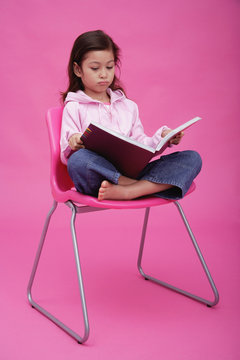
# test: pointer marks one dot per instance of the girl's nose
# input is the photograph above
(103, 74)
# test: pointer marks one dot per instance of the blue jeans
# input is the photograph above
(88, 169)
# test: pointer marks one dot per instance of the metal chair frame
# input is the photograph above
(84, 209)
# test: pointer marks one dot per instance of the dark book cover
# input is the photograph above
(127, 155)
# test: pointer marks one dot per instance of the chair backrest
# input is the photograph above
(60, 179)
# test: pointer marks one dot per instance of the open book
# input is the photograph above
(128, 155)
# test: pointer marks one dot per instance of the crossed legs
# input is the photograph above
(94, 175)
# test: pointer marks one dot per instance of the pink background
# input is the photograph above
(180, 59)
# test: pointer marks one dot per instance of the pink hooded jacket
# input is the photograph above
(120, 115)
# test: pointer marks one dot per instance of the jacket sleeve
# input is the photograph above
(137, 131)
(70, 126)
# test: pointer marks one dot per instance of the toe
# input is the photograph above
(105, 184)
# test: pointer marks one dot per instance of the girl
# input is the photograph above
(95, 93)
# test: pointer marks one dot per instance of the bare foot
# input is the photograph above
(109, 191)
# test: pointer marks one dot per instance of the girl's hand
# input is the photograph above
(75, 142)
(176, 140)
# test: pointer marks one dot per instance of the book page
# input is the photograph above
(174, 132)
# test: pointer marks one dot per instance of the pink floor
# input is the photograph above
(180, 59)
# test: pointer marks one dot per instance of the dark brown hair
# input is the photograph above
(90, 41)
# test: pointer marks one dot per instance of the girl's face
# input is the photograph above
(97, 72)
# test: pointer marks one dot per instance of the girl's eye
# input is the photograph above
(108, 68)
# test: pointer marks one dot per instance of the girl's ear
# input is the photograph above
(77, 70)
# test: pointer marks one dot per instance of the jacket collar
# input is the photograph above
(81, 97)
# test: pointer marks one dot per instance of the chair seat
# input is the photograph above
(81, 199)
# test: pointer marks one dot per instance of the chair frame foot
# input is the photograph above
(80, 339)
(200, 256)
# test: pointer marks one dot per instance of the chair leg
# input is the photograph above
(33, 273)
(183, 292)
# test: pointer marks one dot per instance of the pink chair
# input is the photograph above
(63, 191)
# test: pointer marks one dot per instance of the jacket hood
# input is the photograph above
(82, 98)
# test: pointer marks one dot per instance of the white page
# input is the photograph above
(176, 131)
